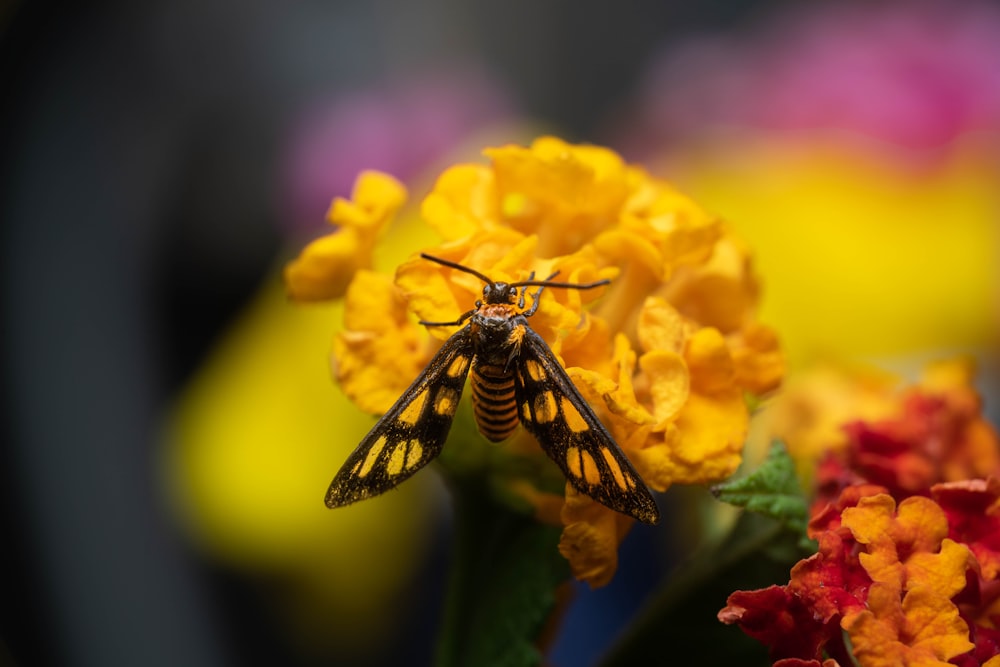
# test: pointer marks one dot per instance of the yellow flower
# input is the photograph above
(376, 328)
(664, 355)
(326, 266)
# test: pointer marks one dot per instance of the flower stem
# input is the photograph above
(504, 574)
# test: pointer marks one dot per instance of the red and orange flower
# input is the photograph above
(907, 519)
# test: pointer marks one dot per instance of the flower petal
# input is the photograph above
(462, 202)
(591, 537)
(669, 383)
(325, 267)
(380, 351)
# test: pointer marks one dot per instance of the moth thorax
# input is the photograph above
(493, 401)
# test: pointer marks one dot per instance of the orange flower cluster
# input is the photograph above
(665, 355)
(908, 526)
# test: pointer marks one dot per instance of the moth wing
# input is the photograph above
(552, 409)
(411, 434)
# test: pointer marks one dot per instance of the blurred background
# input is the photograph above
(170, 425)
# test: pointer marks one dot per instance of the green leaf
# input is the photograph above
(505, 571)
(773, 490)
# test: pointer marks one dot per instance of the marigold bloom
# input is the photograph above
(973, 510)
(910, 584)
(885, 576)
(910, 617)
(664, 356)
(821, 590)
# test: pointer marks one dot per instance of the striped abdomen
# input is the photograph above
(493, 401)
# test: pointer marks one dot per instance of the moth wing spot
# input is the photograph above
(573, 462)
(525, 412)
(372, 456)
(623, 481)
(414, 453)
(574, 420)
(535, 370)
(396, 459)
(445, 402)
(591, 473)
(545, 407)
(457, 366)
(411, 413)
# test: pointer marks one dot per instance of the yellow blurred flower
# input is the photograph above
(255, 434)
(867, 255)
(249, 453)
(665, 356)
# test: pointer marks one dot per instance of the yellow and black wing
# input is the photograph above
(412, 432)
(567, 429)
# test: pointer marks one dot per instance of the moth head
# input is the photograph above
(502, 293)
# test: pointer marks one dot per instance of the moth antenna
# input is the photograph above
(457, 267)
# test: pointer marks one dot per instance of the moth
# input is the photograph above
(516, 379)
